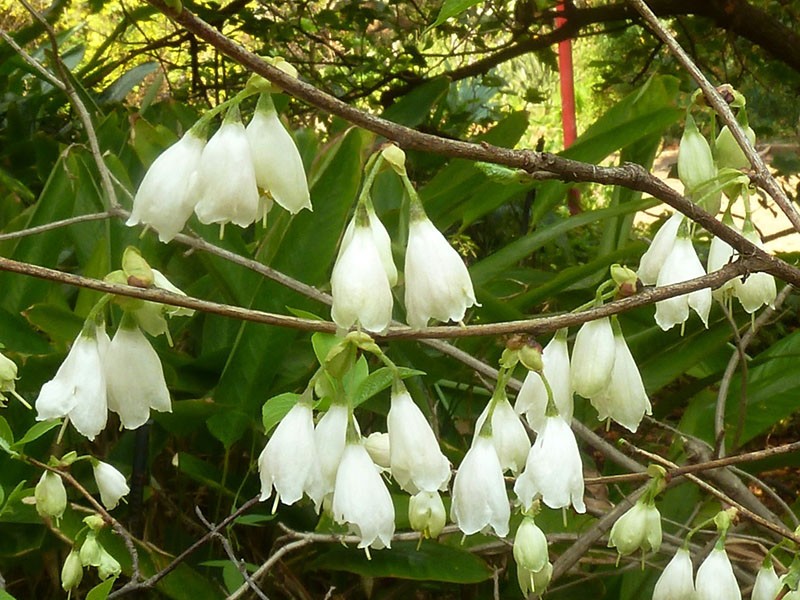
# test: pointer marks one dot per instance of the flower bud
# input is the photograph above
(729, 153)
(530, 546)
(530, 355)
(51, 496)
(395, 157)
(136, 269)
(639, 527)
(695, 161)
(426, 513)
(94, 522)
(377, 445)
(71, 572)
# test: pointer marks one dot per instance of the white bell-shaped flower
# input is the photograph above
(715, 579)
(511, 441)
(289, 461)
(438, 285)
(135, 377)
(479, 498)
(110, 483)
(78, 390)
(532, 397)
(624, 400)
(167, 196)
(638, 529)
(767, 585)
(681, 265)
(361, 499)
(757, 289)
(276, 161)
(554, 468)
(359, 284)
(382, 242)
(677, 579)
(653, 259)
(426, 513)
(377, 445)
(416, 461)
(720, 253)
(330, 435)
(592, 357)
(226, 180)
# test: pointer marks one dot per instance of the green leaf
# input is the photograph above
(101, 591)
(58, 322)
(228, 426)
(276, 408)
(451, 8)
(6, 434)
(35, 432)
(123, 85)
(322, 344)
(413, 108)
(379, 380)
(432, 562)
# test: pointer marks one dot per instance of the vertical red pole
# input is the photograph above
(567, 84)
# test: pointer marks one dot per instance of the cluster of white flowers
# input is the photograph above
(220, 179)
(331, 461)
(437, 283)
(714, 579)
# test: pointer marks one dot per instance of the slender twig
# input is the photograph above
(55, 225)
(39, 67)
(744, 511)
(226, 545)
(762, 175)
(538, 325)
(264, 568)
(78, 105)
(132, 586)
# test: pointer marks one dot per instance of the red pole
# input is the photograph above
(567, 83)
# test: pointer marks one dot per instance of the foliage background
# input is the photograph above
(146, 82)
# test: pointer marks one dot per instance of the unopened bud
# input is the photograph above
(530, 546)
(530, 355)
(729, 153)
(94, 522)
(71, 572)
(395, 157)
(426, 513)
(695, 161)
(137, 271)
(51, 496)
(377, 445)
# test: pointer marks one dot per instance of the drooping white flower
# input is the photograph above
(715, 579)
(289, 461)
(757, 289)
(361, 499)
(479, 498)
(166, 196)
(554, 468)
(592, 357)
(135, 377)
(110, 483)
(71, 572)
(78, 390)
(767, 585)
(426, 513)
(532, 397)
(382, 242)
(226, 180)
(330, 435)
(416, 461)
(511, 441)
(653, 259)
(720, 253)
(677, 580)
(624, 399)
(359, 285)
(681, 265)
(695, 162)
(377, 445)
(276, 161)
(50, 495)
(438, 285)
(638, 529)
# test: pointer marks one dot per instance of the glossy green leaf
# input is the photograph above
(35, 432)
(451, 8)
(102, 590)
(58, 322)
(379, 380)
(432, 562)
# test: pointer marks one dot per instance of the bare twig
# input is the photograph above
(13, 235)
(39, 67)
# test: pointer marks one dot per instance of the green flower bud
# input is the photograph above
(395, 157)
(530, 547)
(426, 514)
(50, 495)
(137, 272)
(729, 154)
(640, 527)
(91, 551)
(109, 566)
(94, 522)
(71, 572)
(695, 161)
